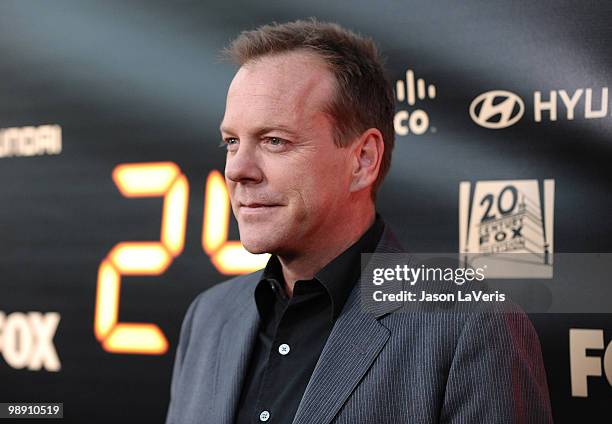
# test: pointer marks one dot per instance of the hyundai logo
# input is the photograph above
(497, 109)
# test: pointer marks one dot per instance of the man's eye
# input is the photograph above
(275, 141)
(230, 143)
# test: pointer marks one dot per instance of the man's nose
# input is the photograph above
(242, 166)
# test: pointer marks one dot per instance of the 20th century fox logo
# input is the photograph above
(497, 218)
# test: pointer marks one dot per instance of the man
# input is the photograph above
(308, 128)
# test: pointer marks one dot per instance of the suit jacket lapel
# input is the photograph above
(235, 345)
(354, 343)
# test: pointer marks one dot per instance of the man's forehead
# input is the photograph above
(299, 79)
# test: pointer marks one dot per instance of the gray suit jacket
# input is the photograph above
(375, 367)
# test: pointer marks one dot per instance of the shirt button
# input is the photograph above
(264, 416)
(284, 349)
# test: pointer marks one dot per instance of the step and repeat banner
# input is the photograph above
(114, 213)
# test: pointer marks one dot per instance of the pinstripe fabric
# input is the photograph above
(380, 367)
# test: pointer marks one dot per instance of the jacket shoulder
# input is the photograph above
(229, 293)
(211, 308)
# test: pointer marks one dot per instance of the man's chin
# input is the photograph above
(262, 237)
(255, 246)
(258, 240)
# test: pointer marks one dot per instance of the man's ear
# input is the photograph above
(366, 158)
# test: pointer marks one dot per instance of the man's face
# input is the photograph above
(288, 182)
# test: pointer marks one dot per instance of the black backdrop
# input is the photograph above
(141, 82)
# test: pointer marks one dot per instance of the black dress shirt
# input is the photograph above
(293, 331)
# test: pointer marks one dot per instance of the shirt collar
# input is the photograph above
(340, 275)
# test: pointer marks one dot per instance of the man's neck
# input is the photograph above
(305, 265)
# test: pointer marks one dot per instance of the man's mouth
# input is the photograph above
(257, 207)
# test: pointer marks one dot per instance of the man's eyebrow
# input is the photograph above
(263, 130)
(224, 129)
